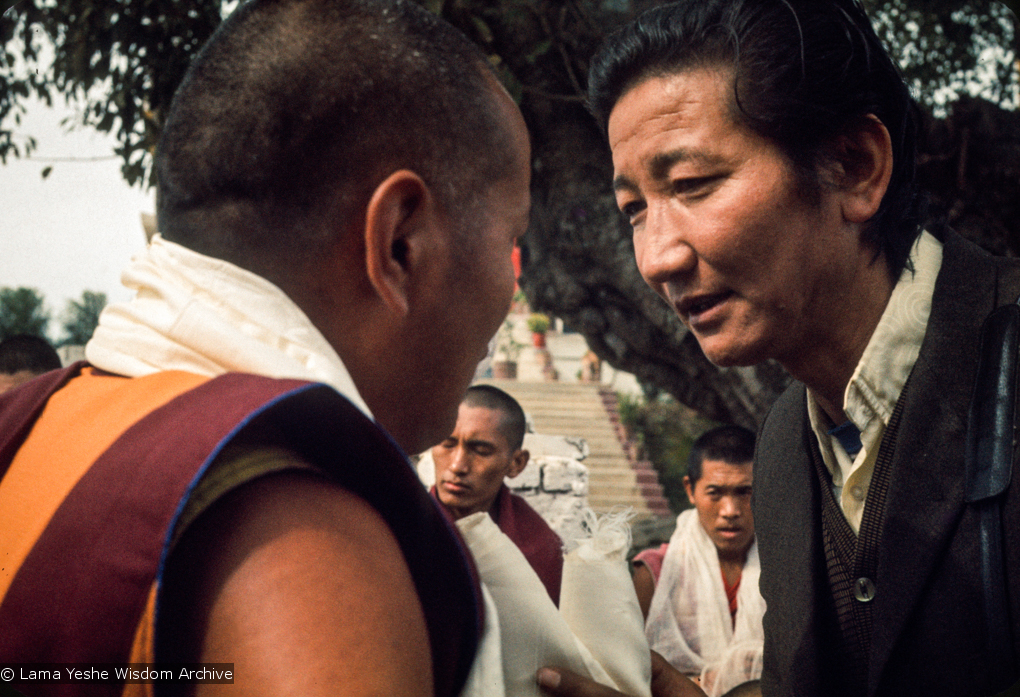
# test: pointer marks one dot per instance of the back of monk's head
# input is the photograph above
(296, 109)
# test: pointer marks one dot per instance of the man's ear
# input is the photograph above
(518, 463)
(864, 163)
(399, 221)
(689, 489)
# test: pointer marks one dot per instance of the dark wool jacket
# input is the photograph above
(929, 634)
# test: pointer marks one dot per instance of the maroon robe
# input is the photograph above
(81, 594)
(541, 546)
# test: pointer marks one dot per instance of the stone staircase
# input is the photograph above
(578, 409)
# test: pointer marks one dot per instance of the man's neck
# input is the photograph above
(827, 366)
(732, 565)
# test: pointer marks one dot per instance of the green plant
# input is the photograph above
(538, 323)
(506, 344)
(664, 431)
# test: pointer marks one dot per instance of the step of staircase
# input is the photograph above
(579, 410)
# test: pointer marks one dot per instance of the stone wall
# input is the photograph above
(556, 487)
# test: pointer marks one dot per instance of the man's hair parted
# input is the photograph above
(513, 424)
(295, 110)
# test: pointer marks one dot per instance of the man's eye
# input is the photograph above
(694, 186)
(632, 208)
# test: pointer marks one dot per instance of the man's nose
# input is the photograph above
(661, 251)
(460, 462)
(729, 507)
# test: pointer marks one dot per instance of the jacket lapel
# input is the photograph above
(787, 499)
(925, 497)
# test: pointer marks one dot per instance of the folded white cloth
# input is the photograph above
(598, 601)
(597, 631)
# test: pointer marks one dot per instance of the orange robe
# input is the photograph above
(95, 470)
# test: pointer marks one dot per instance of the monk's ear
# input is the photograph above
(689, 489)
(518, 463)
(863, 163)
(401, 222)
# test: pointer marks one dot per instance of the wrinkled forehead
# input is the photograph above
(664, 99)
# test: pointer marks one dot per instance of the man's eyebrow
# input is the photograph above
(660, 164)
(622, 182)
(728, 487)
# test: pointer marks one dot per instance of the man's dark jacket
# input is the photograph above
(929, 634)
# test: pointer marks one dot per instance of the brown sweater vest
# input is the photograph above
(852, 560)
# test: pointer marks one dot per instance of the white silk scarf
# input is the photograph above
(689, 619)
(597, 630)
(206, 316)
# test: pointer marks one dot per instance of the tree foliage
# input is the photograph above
(123, 58)
(945, 45)
(22, 311)
(119, 60)
(81, 318)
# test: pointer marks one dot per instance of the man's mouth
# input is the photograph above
(690, 308)
(454, 487)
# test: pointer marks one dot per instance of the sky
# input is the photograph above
(75, 230)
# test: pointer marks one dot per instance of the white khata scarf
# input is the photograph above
(206, 316)
(596, 631)
(689, 620)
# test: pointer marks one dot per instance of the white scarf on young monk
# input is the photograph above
(689, 619)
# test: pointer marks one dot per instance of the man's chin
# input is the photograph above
(452, 499)
(727, 355)
(733, 546)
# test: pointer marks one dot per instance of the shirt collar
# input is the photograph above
(890, 355)
(885, 365)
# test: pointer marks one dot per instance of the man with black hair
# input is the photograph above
(764, 152)
(23, 357)
(700, 592)
(485, 447)
(340, 184)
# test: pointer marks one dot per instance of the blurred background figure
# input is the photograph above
(24, 356)
(484, 449)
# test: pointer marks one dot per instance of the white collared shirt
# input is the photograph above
(878, 380)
